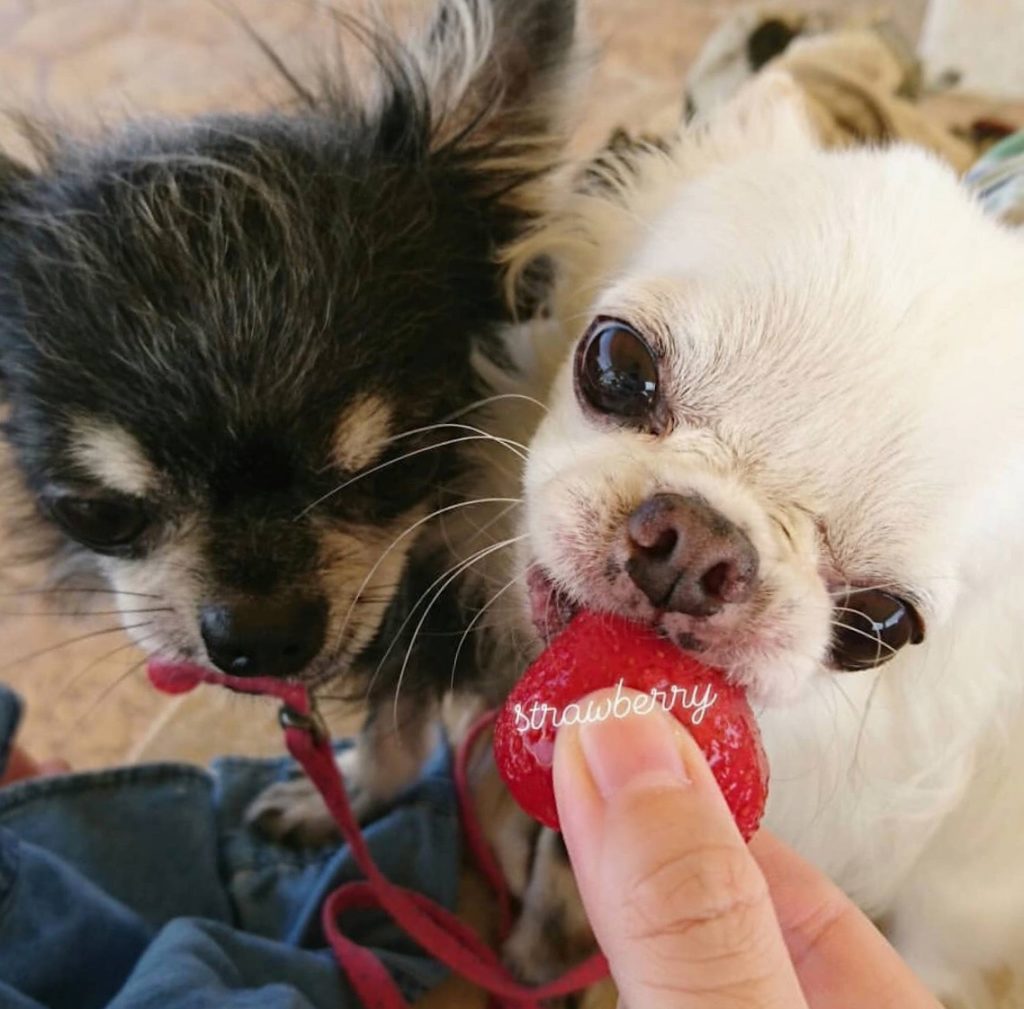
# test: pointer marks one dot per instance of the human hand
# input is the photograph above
(689, 916)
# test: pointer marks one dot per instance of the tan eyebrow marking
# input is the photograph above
(361, 433)
(109, 454)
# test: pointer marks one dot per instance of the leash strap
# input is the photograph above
(439, 932)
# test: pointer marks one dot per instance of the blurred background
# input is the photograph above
(87, 62)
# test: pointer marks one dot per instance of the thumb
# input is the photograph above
(677, 903)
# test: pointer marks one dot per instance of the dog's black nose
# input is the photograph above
(688, 558)
(267, 637)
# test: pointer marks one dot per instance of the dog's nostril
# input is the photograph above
(264, 637)
(725, 582)
(664, 544)
(717, 579)
(652, 527)
(687, 558)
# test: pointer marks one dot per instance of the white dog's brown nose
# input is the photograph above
(688, 558)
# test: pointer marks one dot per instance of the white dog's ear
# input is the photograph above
(769, 113)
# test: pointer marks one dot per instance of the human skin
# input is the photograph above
(688, 915)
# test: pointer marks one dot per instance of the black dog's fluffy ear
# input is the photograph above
(11, 173)
(505, 70)
(516, 56)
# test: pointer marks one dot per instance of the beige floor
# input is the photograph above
(89, 61)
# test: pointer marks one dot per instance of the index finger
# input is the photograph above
(675, 899)
(840, 957)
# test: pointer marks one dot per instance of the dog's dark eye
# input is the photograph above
(616, 371)
(101, 522)
(870, 626)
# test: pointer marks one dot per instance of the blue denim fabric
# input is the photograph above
(141, 887)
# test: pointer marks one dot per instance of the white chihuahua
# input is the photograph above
(790, 434)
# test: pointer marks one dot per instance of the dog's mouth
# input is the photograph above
(551, 608)
(176, 677)
(180, 676)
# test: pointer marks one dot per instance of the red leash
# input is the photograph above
(439, 932)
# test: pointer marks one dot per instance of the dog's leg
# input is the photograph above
(552, 932)
(387, 756)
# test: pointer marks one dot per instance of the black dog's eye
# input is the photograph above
(870, 626)
(616, 371)
(102, 522)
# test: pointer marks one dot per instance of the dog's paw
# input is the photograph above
(294, 813)
(552, 933)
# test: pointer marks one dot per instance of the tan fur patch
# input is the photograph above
(361, 433)
(112, 456)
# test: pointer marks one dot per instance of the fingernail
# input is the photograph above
(635, 750)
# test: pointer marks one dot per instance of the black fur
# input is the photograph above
(222, 290)
(769, 39)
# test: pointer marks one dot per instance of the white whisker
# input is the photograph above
(469, 627)
(459, 569)
(864, 634)
(72, 641)
(494, 399)
(486, 435)
(384, 465)
(406, 532)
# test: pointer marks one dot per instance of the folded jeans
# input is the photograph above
(142, 887)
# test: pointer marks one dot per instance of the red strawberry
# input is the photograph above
(601, 650)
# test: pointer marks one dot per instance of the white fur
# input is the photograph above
(844, 352)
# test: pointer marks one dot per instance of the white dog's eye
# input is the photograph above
(616, 372)
(870, 626)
